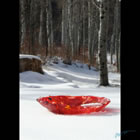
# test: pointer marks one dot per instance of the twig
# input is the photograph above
(94, 3)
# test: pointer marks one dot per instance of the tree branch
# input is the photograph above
(95, 4)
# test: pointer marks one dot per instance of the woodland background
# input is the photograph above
(84, 30)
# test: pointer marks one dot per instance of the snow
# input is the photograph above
(29, 56)
(37, 123)
(109, 58)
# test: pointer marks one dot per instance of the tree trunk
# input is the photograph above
(25, 6)
(89, 34)
(103, 44)
(70, 27)
(62, 25)
(84, 24)
(119, 55)
(49, 27)
(111, 48)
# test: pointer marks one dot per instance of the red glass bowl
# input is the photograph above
(73, 104)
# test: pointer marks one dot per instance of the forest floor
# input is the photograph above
(37, 123)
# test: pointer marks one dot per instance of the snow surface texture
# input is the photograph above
(29, 56)
(37, 123)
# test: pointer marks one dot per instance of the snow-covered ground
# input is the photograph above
(37, 123)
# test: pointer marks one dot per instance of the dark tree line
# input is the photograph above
(87, 28)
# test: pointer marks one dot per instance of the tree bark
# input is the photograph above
(103, 44)
(117, 31)
(89, 34)
(49, 27)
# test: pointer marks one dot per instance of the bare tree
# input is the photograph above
(49, 27)
(103, 43)
(117, 33)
